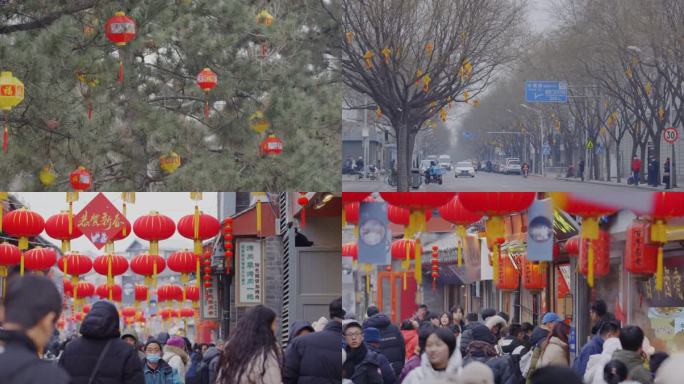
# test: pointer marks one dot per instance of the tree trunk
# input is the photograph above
(403, 166)
(644, 162)
(618, 164)
(607, 163)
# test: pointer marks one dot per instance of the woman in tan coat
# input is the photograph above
(555, 349)
(252, 355)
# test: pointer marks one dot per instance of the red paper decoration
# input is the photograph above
(601, 255)
(57, 227)
(435, 265)
(120, 29)
(271, 146)
(641, 257)
(303, 201)
(533, 274)
(80, 179)
(153, 228)
(507, 276)
(227, 244)
(206, 80)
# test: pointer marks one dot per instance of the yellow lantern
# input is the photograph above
(368, 56)
(11, 94)
(170, 162)
(264, 18)
(47, 175)
(443, 114)
(258, 122)
(378, 112)
(386, 52)
(350, 37)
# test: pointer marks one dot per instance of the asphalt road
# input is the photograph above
(484, 181)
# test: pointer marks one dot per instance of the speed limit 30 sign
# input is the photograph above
(671, 135)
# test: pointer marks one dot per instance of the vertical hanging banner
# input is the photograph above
(375, 236)
(210, 305)
(486, 270)
(250, 272)
(540, 231)
(99, 220)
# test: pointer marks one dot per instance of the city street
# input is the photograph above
(484, 181)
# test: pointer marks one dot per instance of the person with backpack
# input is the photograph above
(371, 336)
(32, 306)
(155, 368)
(99, 354)
(209, 365)
(555, 350)
(528, 361)
(193, 375)
(391, 340)
(482, 348)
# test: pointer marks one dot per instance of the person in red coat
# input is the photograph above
(410, 333)
(636, 167)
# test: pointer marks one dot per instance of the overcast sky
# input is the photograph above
(172, 204)
(540, 15)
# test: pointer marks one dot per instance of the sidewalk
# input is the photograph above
(614, 183)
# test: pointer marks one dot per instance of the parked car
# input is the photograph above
(464, 168)
(513, 166)
(445, 162)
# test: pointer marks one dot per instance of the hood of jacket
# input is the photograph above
(379, 321)
(538, 334)
(297, 327)
(495, 320)
(453, 365)
(163, 337)
(210, 353)
(130, 332)
(479, 348)
(102, 322)
(170, 350)
(629, 358)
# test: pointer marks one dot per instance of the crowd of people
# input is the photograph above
(103, 353)
(486, 348)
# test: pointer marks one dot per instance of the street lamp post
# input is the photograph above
(541, 132)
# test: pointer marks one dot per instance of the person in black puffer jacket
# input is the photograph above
(481, 349)
(120, 365)
(391, 340)
(32, 305)
(316, 358)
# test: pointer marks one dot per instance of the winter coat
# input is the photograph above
(315, 358)
(412, 363)
(178, 359)
(467, 336)
(121, 363)
(554, 353)
(635, 366)
(368, 371)
(595, 364)
(636, 165)
(20, 362)
(502, 366)
(209, 365)
(388, 375)
(132, 333)
(410, 341)
(164, 374)
(193, 375)
(297, 327)
(272, 374)
(391, 340)
(427, 374)
(593, 347)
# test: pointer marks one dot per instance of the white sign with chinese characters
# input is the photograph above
(210, 305)
(250, 272)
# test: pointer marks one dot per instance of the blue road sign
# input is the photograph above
(546, 91)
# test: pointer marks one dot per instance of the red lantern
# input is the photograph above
(666, 205)
(404, 249)
(23, 224)
(641, 257)
(572, 245)
(165, 313)
(206, 80)
(303, 201)
(198, 227)
(272, 145)
(496, 205)
(57, 226)
(455, 213)
(507, 276)
(351, 249)
(192, 293)
(350, 211)
(187, 312)
(153, 228)
(128, 311)
(74, 264)
(68, 288)
(83, 289)
(110, 265)
(227, 243)
(140, 293)
(148, 266)
(104, 291)
(533, 274)
(39, 259)
(80, 179)
(120, 29)
(9, 255)
(600, 249)
(435, 265)
(78, 316)
(183, 262)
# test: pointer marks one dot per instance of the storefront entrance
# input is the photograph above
(393, 299)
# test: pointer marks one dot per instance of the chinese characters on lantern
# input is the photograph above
(250, 273)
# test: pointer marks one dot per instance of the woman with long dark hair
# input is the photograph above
(555, 349)
(252, 355)
(445, 320)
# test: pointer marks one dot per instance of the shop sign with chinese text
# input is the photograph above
(250, 272)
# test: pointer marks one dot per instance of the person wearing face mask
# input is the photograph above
(156, 370)
(441, 359)
(29, 312)
(99, 355)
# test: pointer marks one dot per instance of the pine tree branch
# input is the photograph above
(45, 21)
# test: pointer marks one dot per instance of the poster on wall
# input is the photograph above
(540, 231)
(210, 307)
(250, 273)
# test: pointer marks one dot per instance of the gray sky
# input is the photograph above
(172, 204)
(540, 15)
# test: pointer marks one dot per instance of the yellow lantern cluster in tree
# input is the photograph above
(368, 56)
(428, 48)
(258, 122)
(426, 83)
(11, 94)
(378, 112)
(466, 70)
(443, 114)
(265, 18)
(47, 175)
(350, 36)
(419, 73)
(661, 113)
(386, 52)
(466, 95)
(170, 162)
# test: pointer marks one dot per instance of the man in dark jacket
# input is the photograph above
(371, 336)
(299, 328)
(32, 306)
(472, 322)
(316, 358)
(209, 366)
(598, 314)
(100, 329)
(363, 365)
(595, 346)
(391, 340)
(482, 349)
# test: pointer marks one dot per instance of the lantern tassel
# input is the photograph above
(206, 109)
(344, 219)
(90, 110)
(197, 272)
(404, 281)
(258, 213)
(154, 248)
(590, 265)
(5, 135)
(154, 274)
(21, 265)
(659, 270)
(367, 268)
(418, 265)
(23, 243)
(459, 253)
(495, 261)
